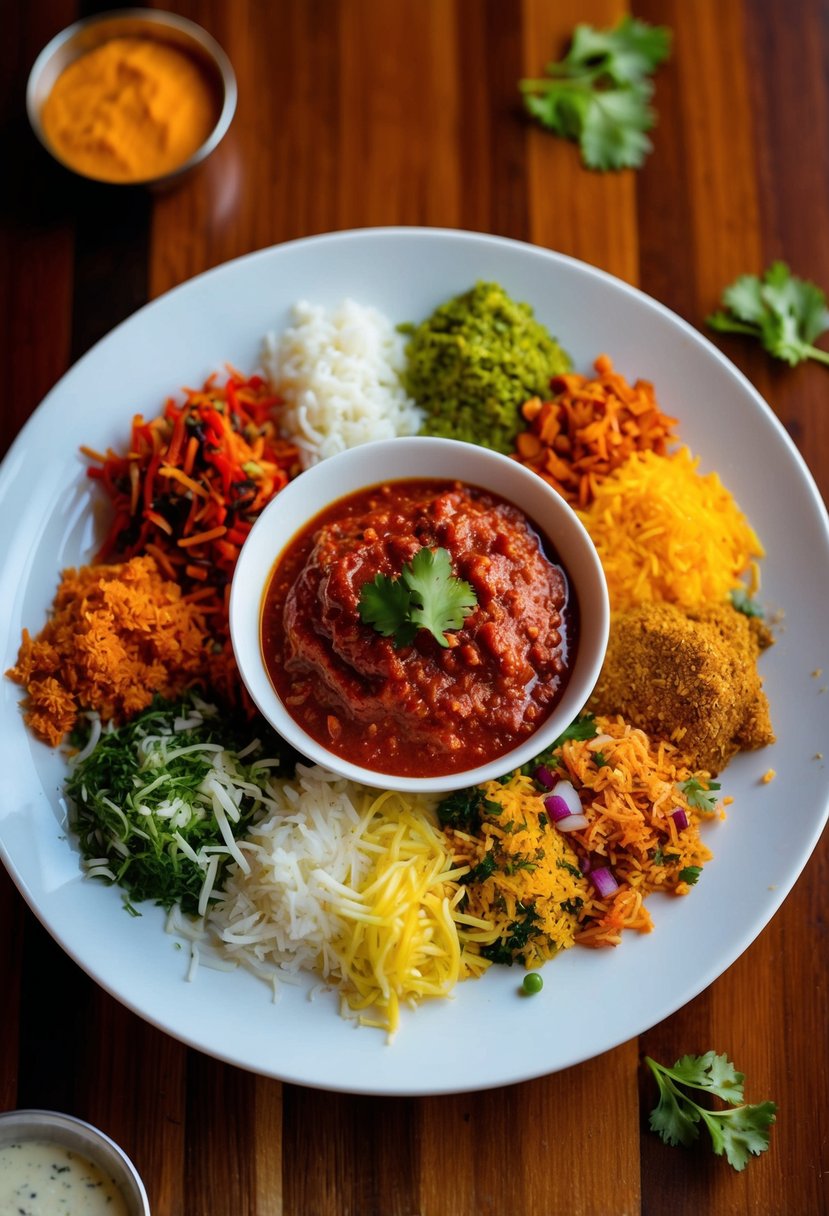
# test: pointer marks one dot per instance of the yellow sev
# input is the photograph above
(400, 941)
(530, 887)
(664, 531)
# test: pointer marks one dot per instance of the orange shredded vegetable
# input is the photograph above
(630, 787)
(589, 428)
(192, 482)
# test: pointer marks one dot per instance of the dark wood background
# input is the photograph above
(369, 112)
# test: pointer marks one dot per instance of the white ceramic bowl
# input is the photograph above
(53, 1127)
(395, 460)
(170, 28)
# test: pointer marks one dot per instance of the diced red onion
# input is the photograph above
(680, 818)
(567, 791)
(556, 807)
(573, 823)
(603, 881)
(544, 777)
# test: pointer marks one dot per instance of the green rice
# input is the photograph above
(475, 361)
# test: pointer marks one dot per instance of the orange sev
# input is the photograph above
(629, 786)
(589, 428)
(116, 636)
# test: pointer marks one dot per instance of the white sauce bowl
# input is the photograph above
(417, 458)
(52, 1127)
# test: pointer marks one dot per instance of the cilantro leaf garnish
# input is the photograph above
(385, 604)
(702, 796)
(599, 94)
(738, 1131)
(785, 313)
(425, 596)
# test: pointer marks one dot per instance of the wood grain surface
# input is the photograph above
(373, 112)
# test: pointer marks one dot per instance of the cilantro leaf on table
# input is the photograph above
(785, 313)
(426, 595)
(599, 94)
(738, 1131)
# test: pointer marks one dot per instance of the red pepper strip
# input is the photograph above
(238, 534)
(232, 399)
(224, 468)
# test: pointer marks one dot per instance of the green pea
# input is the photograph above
(532, 983)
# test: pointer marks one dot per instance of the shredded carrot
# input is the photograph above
(630, 786)
(193, 480)
(589, 428)
(116, 636)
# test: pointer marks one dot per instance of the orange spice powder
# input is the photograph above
(130, 110)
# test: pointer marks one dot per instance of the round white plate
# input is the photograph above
(487, 1035)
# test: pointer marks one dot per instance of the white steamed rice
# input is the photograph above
(339, 371)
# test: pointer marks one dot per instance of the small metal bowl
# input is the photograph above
(46, 1126)
(92, 32)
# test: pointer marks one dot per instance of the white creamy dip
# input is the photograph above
(40, 1178)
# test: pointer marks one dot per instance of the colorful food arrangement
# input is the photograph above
(441, 614)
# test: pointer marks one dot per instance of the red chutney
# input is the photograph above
(421, 710)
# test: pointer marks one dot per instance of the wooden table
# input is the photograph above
(373, 112)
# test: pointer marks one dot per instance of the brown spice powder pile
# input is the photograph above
(689, 678)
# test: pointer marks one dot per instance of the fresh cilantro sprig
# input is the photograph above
(599, 94)
(738, 1131)
(425, 596)
(703, 796)
(785, 313)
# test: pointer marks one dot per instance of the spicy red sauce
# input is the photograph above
(421, 710)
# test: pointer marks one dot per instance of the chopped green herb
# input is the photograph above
(785, 313)
(739, 1131)
(599, 759)
(425, 596)
(743, 602)
(157, 800)
(485, 868)
(703, 797)
(571, 869)
(510, 945)
(464, 808)
(690, 874)
(473, 363)
(599, 94)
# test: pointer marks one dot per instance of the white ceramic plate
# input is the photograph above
(487, 1035)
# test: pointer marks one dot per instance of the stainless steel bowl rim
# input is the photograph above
(84, 1138)
(160, 20)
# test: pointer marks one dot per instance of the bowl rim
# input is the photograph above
(39, 1124)
(161, 20)
(254, 567)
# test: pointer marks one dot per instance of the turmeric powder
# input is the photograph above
(130, 110)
